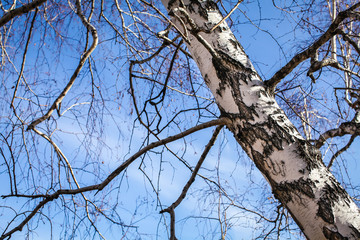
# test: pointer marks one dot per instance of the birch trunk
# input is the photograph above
(292, 166)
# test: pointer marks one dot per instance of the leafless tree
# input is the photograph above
(148, 120)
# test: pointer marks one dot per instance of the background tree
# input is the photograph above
(82, 79)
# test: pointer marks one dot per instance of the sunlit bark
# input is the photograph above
(292, 166)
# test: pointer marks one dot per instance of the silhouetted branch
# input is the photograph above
(116, 172)
(344, 129)
(19, 11)
(171, 209)
(300, 57)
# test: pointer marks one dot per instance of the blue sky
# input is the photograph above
(138, 205)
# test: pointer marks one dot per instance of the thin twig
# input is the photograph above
(116, 172)
(83, 59)
(300, 57)
(227, 16)
(346, 147)
(171, 208)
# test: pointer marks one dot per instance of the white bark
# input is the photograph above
(292, 166)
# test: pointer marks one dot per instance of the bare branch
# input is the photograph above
(116, 172)
(346, 147)
(171, 208)
(23, 65)
(227, 16)
(220, 121)
(83, 59)
(317, 65)
(344, 129)
(348, 39)
(300, 57)
(19, 11)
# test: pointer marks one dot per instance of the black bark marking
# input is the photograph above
(232, 63)
(249, 133)
(333, 235)
(310, 154)
(206, 79)
(279, 121)
(355, 232)
(266, 165)
(260, 163)
(235, 43)
(268, 150)
(171, 3)
(203, 8)
(232, 78)
(329, 196)
(325, 210)
(200, 10)
(286, 190)
(270, 137)
(244, 138)
(280, 132)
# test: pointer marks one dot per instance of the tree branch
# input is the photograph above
(19, 11)
(344, 129)
(341, 151)
(171, 208)
(317, 65)
(227, 16)
(300, 57)
(83, 59)
(116, 172)
(23, 65)
(220, 121)
(348, 39)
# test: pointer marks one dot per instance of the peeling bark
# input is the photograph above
(292, 166)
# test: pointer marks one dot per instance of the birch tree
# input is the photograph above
(290, 164)
(80, 79)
